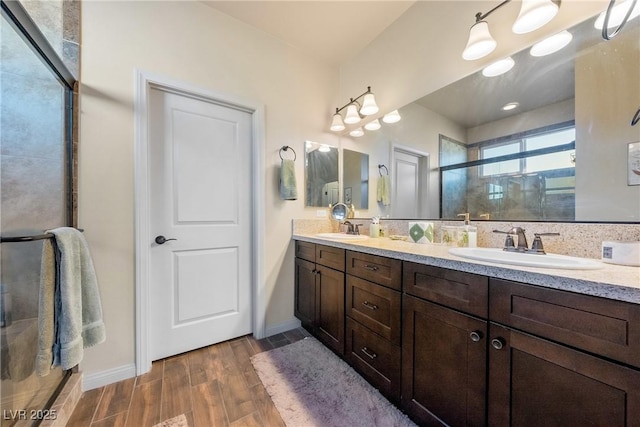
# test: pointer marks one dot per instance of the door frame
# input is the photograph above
(144, 81)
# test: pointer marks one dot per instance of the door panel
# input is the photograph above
(200, 195)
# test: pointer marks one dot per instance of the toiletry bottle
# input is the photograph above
(470, 232)
(374, 228)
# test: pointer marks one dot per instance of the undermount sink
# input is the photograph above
(342, 236)
(526, 259)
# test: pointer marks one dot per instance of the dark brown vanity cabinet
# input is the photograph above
(373, 309)
(444, 346)
(569, 372)
(319, 292)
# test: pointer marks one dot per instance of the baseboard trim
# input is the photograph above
(102, 378)
(282, 327)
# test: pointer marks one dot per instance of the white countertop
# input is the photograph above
(611, 281)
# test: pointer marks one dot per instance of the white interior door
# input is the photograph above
(406, 185)
(200, 195)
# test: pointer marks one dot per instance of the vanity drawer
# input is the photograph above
(375, 306)
(605, 327)
(381, 270)
(306, 250)
(375, 358)
(466, 292)
(330, 257)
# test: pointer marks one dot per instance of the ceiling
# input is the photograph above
(333, 31)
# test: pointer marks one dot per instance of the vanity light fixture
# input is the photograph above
(498, 67)
(551, 44)
(324, 148)
(358, 132)
(510, 106)
(392, 117)
(373, 125)
(354, 112)
(533, 15)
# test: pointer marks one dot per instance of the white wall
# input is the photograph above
(604, 109)
(190, 42)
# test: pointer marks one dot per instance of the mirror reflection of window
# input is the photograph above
(321, 174)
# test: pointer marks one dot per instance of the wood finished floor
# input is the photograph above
(212, 386)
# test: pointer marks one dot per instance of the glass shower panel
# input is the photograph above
(33, 198)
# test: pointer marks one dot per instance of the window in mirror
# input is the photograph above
(528, 176)
(321, 175)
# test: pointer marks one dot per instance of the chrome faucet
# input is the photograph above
(522, 239)
(352, 228)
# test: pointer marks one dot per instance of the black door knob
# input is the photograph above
(161, 240)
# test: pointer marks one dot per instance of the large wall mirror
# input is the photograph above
(321, 174)
(563, 154)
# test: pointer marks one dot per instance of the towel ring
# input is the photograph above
(286, 148)
(380, 169)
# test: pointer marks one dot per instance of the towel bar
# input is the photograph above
(285, 148)
(29, 238)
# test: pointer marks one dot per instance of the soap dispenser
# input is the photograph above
(470, 232)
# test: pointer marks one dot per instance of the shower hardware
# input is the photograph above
(43, 236)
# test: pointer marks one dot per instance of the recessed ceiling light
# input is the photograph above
(551, 44)
(324, 148)
(498, 67)
(510, 106)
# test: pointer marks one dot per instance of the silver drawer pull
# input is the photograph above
(370, 306)
(370, 267)
(365, 350)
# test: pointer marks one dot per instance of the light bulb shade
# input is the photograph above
(356, 132)
(374, 125)
(618, 13)
(324, 148)
(337, 125)
(551, 44)
(369, 105)
(352, 114)
(480, 42)
(498, 67)
(392, 117)
(533, 15)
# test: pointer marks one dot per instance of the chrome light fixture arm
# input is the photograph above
(605, 27)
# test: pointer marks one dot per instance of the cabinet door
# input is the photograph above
(330, 308)
(305, 293)
(444, 356)
(534, 382)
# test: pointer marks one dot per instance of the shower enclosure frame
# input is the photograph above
(18, 18)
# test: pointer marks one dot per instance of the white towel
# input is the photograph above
(384, 190)
(78, 311)
(288, 190)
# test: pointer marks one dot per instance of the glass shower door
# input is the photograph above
(33, 197)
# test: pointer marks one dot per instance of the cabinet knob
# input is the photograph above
(475, 336)
(497, 343)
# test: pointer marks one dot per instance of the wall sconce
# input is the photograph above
(355, 111)
(533, 15)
